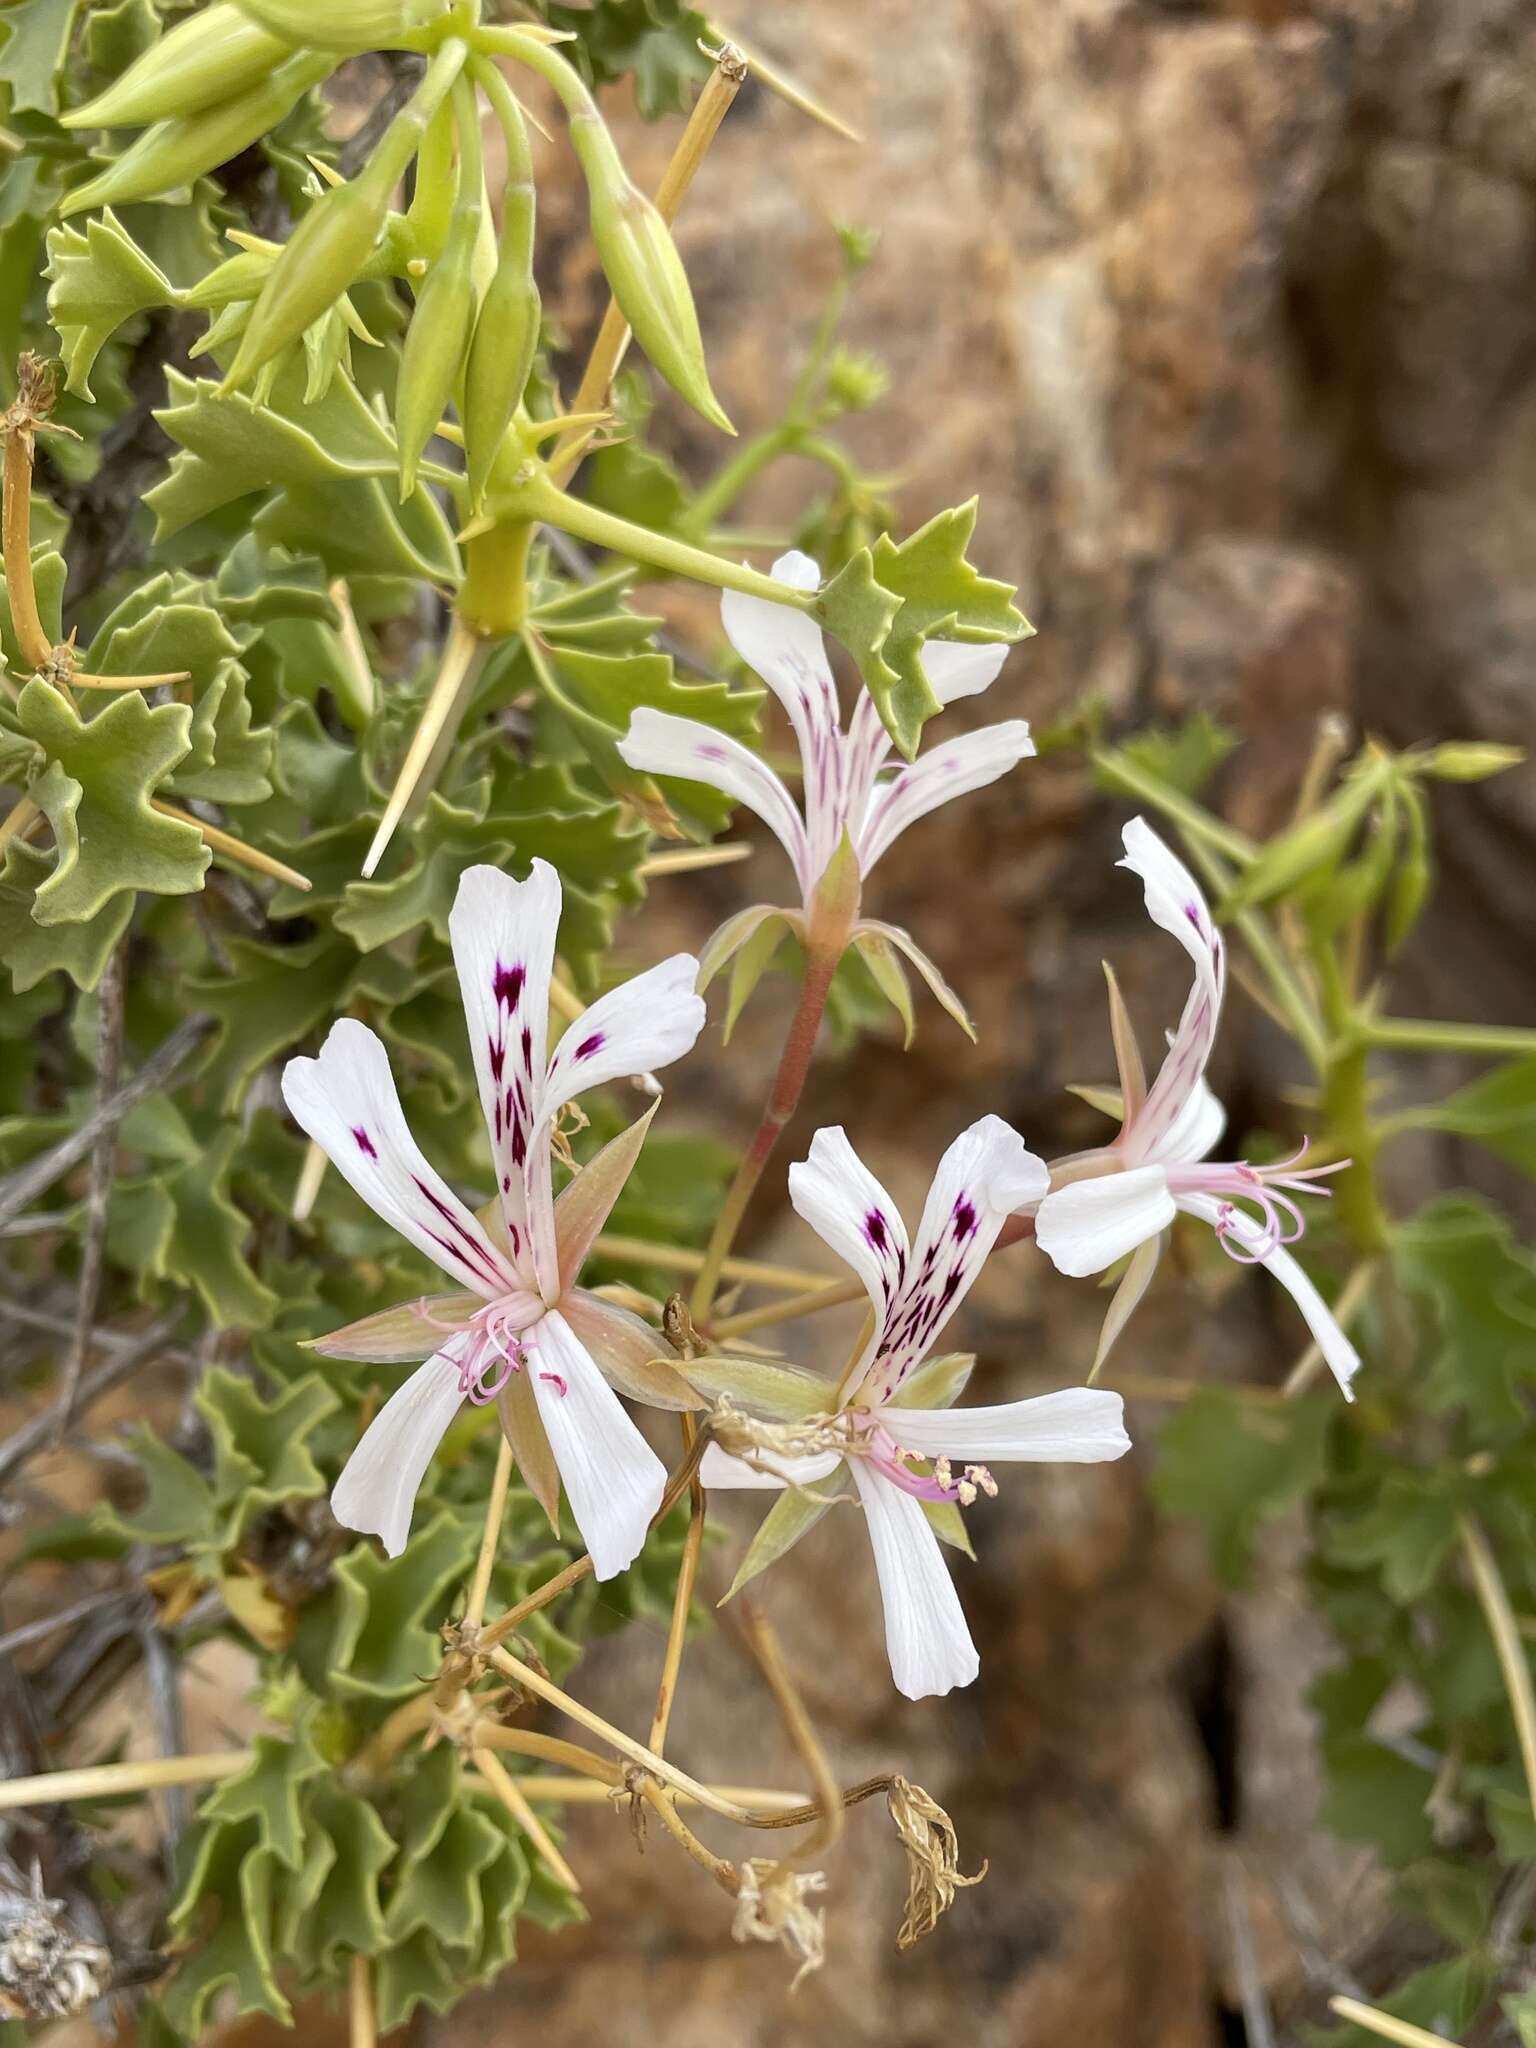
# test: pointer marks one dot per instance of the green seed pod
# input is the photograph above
(439, 333)
(209, 57)
(176, 152)
(335, 239)
(347, 25)
(506, 336)
(431, 206)
(640, 259)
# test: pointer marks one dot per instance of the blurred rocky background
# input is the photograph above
(1227, 313)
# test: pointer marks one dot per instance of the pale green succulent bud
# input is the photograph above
(335, 239)
(640, 260)
(175, 153)
(350, 25)
(209, 57)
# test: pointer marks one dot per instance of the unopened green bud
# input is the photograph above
(438, 337)
(349, 25)
(1308, 846)
(506, 336)
(855, 382)
(335, 239)
(640, 259)
(1470, 760)
(174, 153)
(212, 56)
(1413, 876)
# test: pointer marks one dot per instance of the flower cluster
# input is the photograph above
(520, 1330)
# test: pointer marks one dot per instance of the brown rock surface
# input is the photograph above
(1226, 312)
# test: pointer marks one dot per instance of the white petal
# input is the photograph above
(1342, 1358)
(984, 1176)
(926, 1638)
(1175, 903)
(1195, 1130)
(1078, 1426)
(641, 1025)
(503, 937)
(1087, 1225)
(957, 669)
(953, 768)
(346, 1101)
(783, 645)
(660, 744)
(835, 1192)
(376, 1492)
(613, 1479)
(719, 1468)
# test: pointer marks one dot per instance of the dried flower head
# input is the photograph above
(47, 1971)
(771, 1906)
(933, 1859)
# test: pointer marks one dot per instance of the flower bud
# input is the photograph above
(176, 152)
(347, 25)
(1470, 760)
(640, 259)
(336, 237)
(444, 317)
(506, 335)
(212, 56)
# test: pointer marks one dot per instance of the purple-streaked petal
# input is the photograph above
(1342, 1359)
(1078, 1426)
(642, 1025)
(503, 936)
(661, 744)
(376, 1493)
(1175, 903)
(926, 1637)
(835, 1192)
(628, 1353)
(719, 1468)
(984, 1177)
(346, 1101)
(1085, 1226)
(403, 1335)
(957, 668)
(953, 768)
(613, 1479)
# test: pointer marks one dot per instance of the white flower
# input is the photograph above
(846, 790)
(1122, 1198)
(520, 1328)
(982, 1179)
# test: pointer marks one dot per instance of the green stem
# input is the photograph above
(493, 599)
(1346, 1112)
(540, 58)
(540, 499)
(721, 493)
(1190, 816)
(509, 118)
(1415, 1034)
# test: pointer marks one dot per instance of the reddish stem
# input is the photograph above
(783, 1100)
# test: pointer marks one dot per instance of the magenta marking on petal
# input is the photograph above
(519, 1145)
(875, 1230)
(588, 1046)
(556, 1382)
(507, 984)
(710, 752)
(364, 1142)
(506, 1183)
(527, 1046)
(479, 1259)
(965, 1217)
(498, 1057)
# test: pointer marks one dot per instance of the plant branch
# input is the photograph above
(104, 1781)
(1389, 2028)
(495, 1774)
(37, 1433)
(29, 1181)
(1493, 1598)
(109, 1062)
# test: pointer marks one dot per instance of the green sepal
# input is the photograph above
(793, 1515)
(938, 1383)
(948, 1524)
(782, 1392)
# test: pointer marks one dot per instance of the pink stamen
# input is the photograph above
(556, 1382)
(940, 1485)
(1269, 1189)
